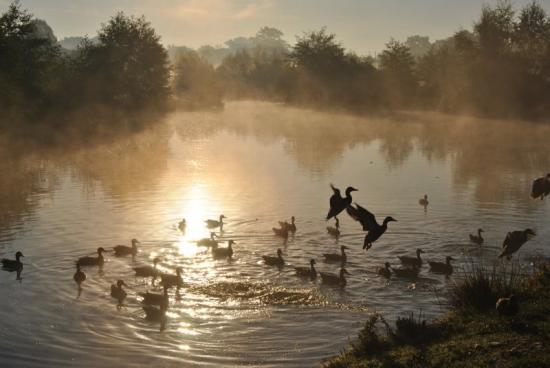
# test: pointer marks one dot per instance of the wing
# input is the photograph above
(506, 241)
(538, 188)
(364, 217)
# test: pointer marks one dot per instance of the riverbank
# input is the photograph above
(467, 336)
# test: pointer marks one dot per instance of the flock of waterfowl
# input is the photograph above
(155, 305)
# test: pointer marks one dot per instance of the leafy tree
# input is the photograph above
(397, 66)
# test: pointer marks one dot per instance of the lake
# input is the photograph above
(256, 163)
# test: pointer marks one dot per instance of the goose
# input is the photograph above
(224, 252)
(384, 271)
(514, 240)
(541, 187)
(310, 271)
(123, 250)
(79, 276)
(335, 257)
(93, 261)
(337, 203)
(117, 291)
(424, 201)
(212, 224)
(13, 265)
(334, 279)
(154, 314)
(412, 261)
(172, 280)
(155, 299)
(281, 232)
(410, 273)
(148, 271)
(507, 306)
(442, 267)
(275, 261)
(209, 242)
(289, 227)
(477, 239)
(182, 225)
(368, 221)
(334, 231)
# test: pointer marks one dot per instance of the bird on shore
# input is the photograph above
(123, 250)
(514, 240)
(410, 273)
(442, 267)
(79, 276)
(384, 271)
(334, 231)
(209, 242)
(310, 271)
(289, 226)
(148, 271)
(224, 252)
(424, 201)
(170, 280)
(93, 261)
(337, 257)
(477, 239)
(541, 187)
(182, 225)
(281, 232)
(507, 306)
(275, 261)
(13, 264)
(118, 292)
(412, 261)
(368, 221)
(155, 299)
(339, 203)
(212, 224)
(334, 279)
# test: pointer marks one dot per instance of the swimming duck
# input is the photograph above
(154, 314)
(148, 271)
(424, 201)
(155, 299)
(79, 276)
(384, 271)
(514, 240)
(337, 203)
(477, 239)
(224, 252)
(333, 279)
(335, 257)
(275, 261)
(93, 261)
(13, 265)
(209, 242)
(334, 231)
(117, 291)
(541, 187)
(123, 250)
(442, 267)
(182, 225)
(410, 273)
(368, 221)
(289, 227)
(507, 306)
(412, 261)
(212, 224)
(310, 272)
(172, 280)
(281, 232)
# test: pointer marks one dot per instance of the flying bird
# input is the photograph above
(368, 221)
(514, 240)
(339, 203)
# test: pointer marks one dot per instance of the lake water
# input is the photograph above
(256, 163)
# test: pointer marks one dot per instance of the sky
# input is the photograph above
(364, 26)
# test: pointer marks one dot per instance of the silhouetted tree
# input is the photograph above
(397, 66)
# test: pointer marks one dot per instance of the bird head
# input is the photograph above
(222, 217)
(100, 250)
(312, 261)
(292, 219)
(389, 219)
(156, 260)
(18, 255)
(480, 230)
(343, 248)
(120, 283)
(449, 259)
(387, 264)
(279, 252)
(135, 242)
(351, 189)
(530, 232)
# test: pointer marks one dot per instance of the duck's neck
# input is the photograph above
(343, 252)
(418, 255)
(312, 268)
(18, 258)
(479, 233)
(348, 194)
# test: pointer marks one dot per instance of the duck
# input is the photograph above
(507, 306)
(384, 271)
(154, 314)
(117, 291)
(182, 225)
(123, 250)
(13, 264)
(170, 280)
(368, 221)
(79, 276)
(310, 271)
(412, 261)
(334, 279)
(212, 224)
(155, 299)
(281, 232)
(442, 267)
(289, 226)
(410, 273)
(477, 239)
(514, 240)
(335, 257)
(93, 261)
(209, 242)
(334, 231)
(224, 252)
(275, 261)
(541, 187)
(339, 203)
(424, 201)
(148, 271)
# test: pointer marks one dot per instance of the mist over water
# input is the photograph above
(257, 163)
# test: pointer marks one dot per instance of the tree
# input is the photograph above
(397, 66)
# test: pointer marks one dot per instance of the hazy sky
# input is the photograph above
(362, 25)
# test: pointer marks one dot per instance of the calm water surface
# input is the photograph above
(256, 163)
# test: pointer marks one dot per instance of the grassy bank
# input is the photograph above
(471, 334)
